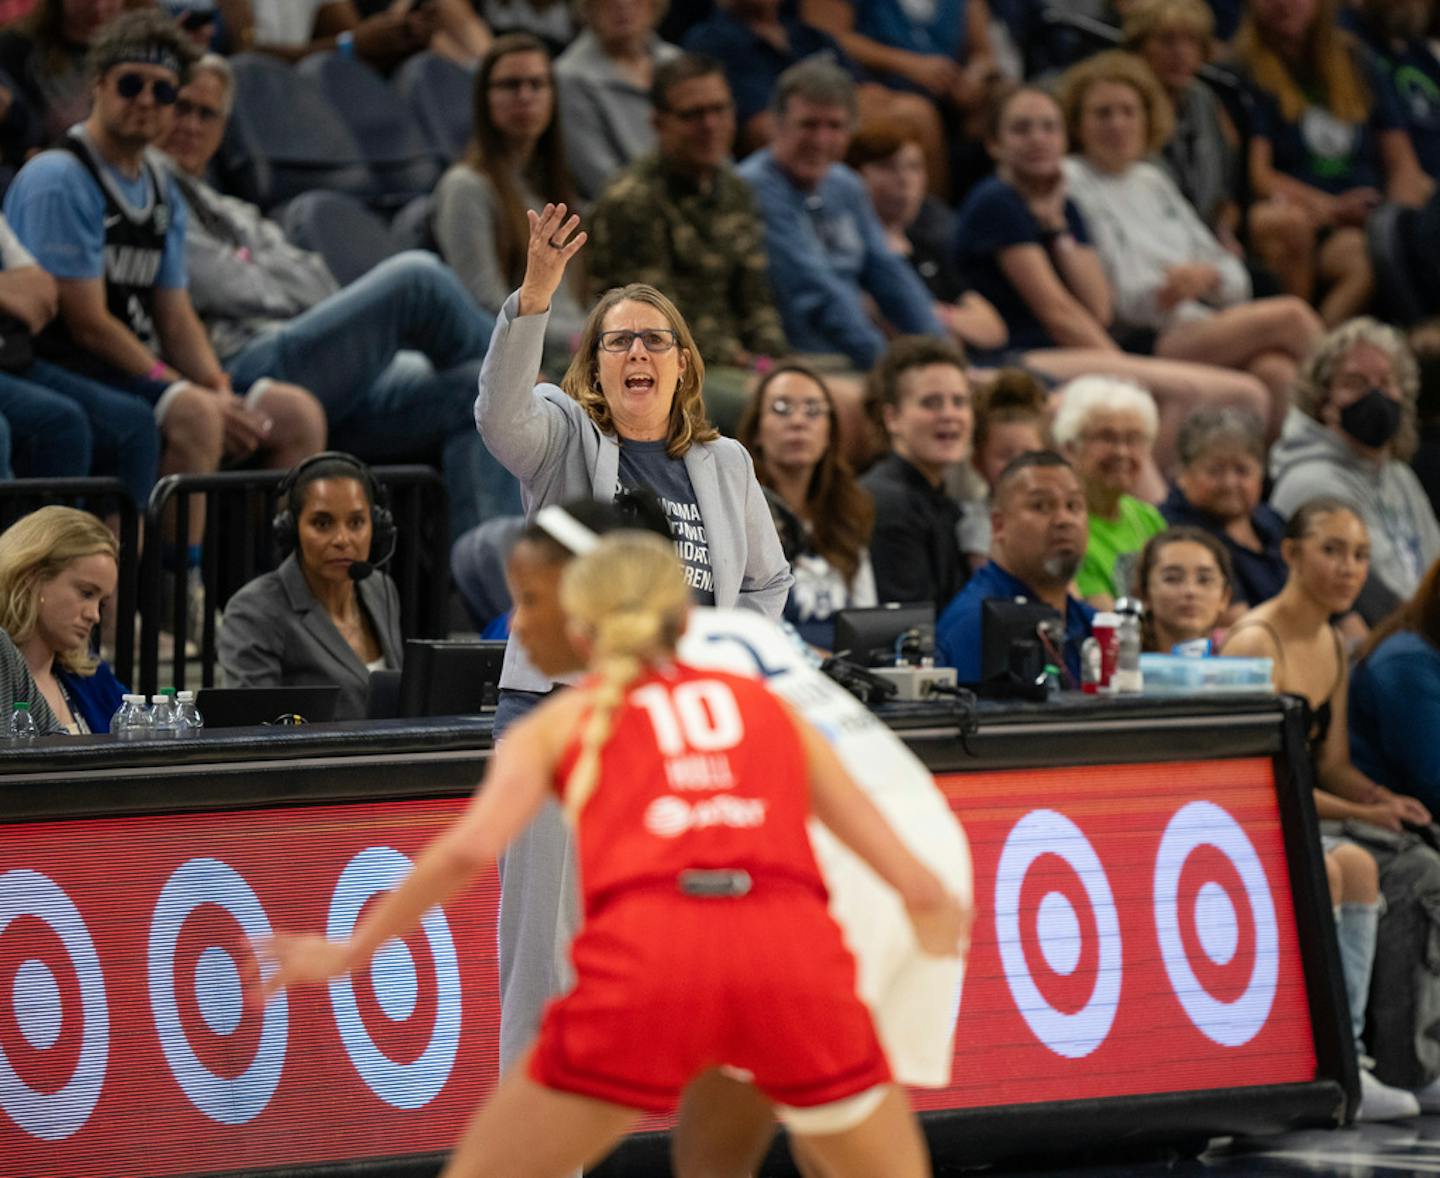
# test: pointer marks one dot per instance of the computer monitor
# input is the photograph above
(872, 637)
(450, 677)
(1010, 647)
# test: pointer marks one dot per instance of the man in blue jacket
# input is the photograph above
(1040, 528)
(827, 249)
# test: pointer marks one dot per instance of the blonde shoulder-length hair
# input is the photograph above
(688, 423)
(34, 551)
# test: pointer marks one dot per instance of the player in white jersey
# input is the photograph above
(914, 998)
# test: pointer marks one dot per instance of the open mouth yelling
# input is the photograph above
(639, 382)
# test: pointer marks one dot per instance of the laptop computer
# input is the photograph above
(237, 707)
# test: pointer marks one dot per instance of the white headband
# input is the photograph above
(566, 530)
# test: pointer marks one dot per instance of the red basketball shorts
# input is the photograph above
(669, 985)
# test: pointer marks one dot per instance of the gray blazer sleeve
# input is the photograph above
(252, 635)
(767, 579)
(522, 429)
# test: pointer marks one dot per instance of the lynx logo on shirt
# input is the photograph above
(669, 817)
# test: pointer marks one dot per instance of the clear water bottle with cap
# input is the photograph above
(164, 717)
(1128, 678)
(131, 720)
(22, 723)
(191, 720)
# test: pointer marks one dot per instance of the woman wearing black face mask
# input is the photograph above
(1349, 435)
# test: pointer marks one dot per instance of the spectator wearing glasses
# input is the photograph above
(825, 517)
(1106, 427)
(515, 162)
(98, 216)
(393, 357)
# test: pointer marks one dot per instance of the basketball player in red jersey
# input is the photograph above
(706, 940)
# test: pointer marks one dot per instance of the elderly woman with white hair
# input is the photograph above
(1349, 436)
(1106, 427)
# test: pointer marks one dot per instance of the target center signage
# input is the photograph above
(1135, 935)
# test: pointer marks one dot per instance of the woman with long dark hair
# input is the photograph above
(792, 433)
(515, 162)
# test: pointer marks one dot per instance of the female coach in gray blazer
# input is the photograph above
(629, 412)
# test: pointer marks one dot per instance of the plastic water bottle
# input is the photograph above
(1128, 679)
(190, 718)
(163, 717)
(22, 723)
(131, 720)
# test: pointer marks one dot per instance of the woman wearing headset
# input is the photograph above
(326, 615)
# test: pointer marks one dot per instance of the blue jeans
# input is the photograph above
(125, 438)
(395, 360)
(47, 435)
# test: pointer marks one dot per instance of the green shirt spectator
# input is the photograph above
(1114, 545)
(1106, 426)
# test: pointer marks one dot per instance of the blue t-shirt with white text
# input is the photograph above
(645, 466)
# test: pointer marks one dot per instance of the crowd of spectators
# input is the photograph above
(957, 303)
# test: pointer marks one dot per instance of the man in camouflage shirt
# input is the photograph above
(683, 221)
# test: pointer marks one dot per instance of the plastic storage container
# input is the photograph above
(1173, 674)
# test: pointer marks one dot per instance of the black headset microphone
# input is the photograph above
(285, 525)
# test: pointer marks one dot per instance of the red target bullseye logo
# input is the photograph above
(400, 1018)
(54, 1020)
(226, 1056)
(1215, 921)
(1058, 933)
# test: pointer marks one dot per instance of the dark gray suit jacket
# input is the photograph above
(275, 634)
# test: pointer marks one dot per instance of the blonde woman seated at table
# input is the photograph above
(57, 568)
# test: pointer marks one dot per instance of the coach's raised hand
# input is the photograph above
(554, 240)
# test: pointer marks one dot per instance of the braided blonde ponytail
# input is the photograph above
(630, 593)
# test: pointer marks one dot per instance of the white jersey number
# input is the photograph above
(698, 716)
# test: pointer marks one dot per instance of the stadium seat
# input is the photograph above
(437, 93)
(1394, 258)
(410, 227)
(285, 138)
(352, 238)
(394, 147)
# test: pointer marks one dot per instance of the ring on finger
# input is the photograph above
(556, 245)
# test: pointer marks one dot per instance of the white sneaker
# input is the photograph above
(1428, 1096)
(1380, 1102)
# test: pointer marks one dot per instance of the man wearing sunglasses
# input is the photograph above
(110, 227)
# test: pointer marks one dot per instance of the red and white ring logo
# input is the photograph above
(399, 1019)
(1215, 920)
(1057, 929)
(226, 1056)
(54, 1051)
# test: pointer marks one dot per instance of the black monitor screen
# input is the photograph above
(444, 677)
(1003, 624)
(873, 637)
